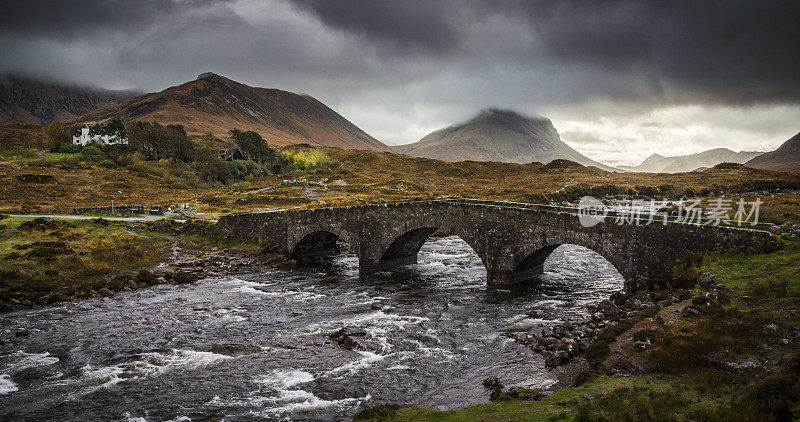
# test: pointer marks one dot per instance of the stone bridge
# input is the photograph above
(512, 239)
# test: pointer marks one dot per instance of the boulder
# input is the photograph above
(776, 230)
(620, 297)
(353, 339)
(608, 307)
(707, 281)
(551, 359)
(546, 342)
(722, 288)
(692, 311)
(566, 345)
(105, 292)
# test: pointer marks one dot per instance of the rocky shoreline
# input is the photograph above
(563, 346)
(182, 267)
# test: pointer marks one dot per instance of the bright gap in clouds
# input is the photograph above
(627, 139)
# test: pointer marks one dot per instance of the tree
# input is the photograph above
(253, 145)
(152, 136)
(180, 147)
(55, 134)
(116, 127)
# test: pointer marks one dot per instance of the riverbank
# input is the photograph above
(46, 260)
(727, 352)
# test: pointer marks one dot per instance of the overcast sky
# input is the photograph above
(619, 79)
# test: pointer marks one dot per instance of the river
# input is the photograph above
(256, 346)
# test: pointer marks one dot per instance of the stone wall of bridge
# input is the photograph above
(512, 240)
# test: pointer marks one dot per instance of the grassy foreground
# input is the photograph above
(735, 359)
(45, 261)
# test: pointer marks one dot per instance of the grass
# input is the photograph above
(758, 274)
(644, 398)
(46, 261)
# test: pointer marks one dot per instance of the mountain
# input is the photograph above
(217, 104)
(685, 163)
(32, 101)
(785, 158)
(498, 135)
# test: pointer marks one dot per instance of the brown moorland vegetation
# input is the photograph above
(34, 181)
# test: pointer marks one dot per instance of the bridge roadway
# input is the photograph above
(512, 239)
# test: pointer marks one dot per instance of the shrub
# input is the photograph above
(43, 223)
(686, 272)
(69, 148)
(145, 278)
(92, 150)
(48, 249)
(308, 160)
(107, 164)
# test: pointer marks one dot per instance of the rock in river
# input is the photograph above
(353, 339)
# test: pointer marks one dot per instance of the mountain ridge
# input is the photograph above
(28, 100)
(216, 104)
(657, 163)
(498, 135)
(785, 158)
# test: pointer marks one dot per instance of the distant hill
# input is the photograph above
(685, 163)
(34, 102)
(498, 135)
(217, 104)
(785, 158)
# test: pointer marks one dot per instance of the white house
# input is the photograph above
(98, 134)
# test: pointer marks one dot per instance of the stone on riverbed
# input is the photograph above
(353, 339)
(551, 359)
(608, 307)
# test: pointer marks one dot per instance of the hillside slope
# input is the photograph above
(217, 104)
(785, 158)
(679, 164)
(34, 102)
(498, 135)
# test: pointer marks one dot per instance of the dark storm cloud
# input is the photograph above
(402, 68)
(418, 24)
(78, 18)
(729, 51)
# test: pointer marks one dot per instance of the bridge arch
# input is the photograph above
(529, 262)
(318, 241)
(403, 245)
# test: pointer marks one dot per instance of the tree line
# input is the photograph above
(155, 142)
